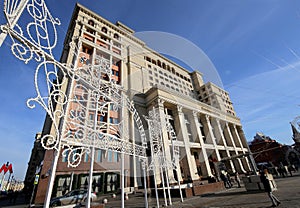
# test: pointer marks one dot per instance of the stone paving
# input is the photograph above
(288, 193)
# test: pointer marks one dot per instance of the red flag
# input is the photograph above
(10, 168)
(6, 168)
(2, 168)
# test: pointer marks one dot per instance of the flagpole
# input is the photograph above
(7, 184)
(1, 183)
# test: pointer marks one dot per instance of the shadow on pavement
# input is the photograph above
(231, 193)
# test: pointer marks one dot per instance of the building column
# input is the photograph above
(203, 152)
(165, 139)
(235, 150)
(213, 138)
(191, 163)
(225, 144)
(241, 144)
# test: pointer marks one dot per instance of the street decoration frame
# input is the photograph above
(95, 93)
(157, 123)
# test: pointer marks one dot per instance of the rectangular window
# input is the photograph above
(91, 117)
(86, 157)
(99, 156)
(109, 156)
(116, 159)
(111, 107)
(101, 118)
(65, 157)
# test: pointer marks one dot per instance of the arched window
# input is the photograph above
(91, 22)
(116, 36)
(104, 29)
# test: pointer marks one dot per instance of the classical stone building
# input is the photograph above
(201, 113)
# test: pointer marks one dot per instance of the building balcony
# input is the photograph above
(115, 67)
(88, 37)
(102, 44)
(117, 51)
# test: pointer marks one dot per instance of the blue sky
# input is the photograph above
(253, 44)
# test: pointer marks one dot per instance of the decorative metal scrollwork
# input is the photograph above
(92, 88)
(156, 124)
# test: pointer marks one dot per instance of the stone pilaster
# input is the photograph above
(235, 150)
(184, 134)
(212, 137)
(165, 138)
(225, 144)
(203, 152)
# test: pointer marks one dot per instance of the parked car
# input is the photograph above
(72, 197)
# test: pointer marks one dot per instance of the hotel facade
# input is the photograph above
(202, 115)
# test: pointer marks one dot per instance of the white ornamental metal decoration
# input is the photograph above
(159, 162)
(75, 97)
(296, 124)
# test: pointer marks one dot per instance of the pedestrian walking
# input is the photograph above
(237, 179)
(290, 169)
(229, 179)
(264, 177)
(224, 178)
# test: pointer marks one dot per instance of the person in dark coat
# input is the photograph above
(237, 179)
(225, 180)
(264, 179)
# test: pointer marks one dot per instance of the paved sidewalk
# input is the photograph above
(288, 193)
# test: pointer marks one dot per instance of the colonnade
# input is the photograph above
(204, 141)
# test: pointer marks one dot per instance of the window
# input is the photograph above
(87, 50)
(104, 29)
(86, 157)
(65, 156)
(148, 59)
(111, 107)
(113, 120)
(116, 157)
(91, 117)
(99, 156)
(158, 63)
(91, 22)
(173, 70)
(101, 118)
(196, 155)
(116, 36)
(109, 156)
